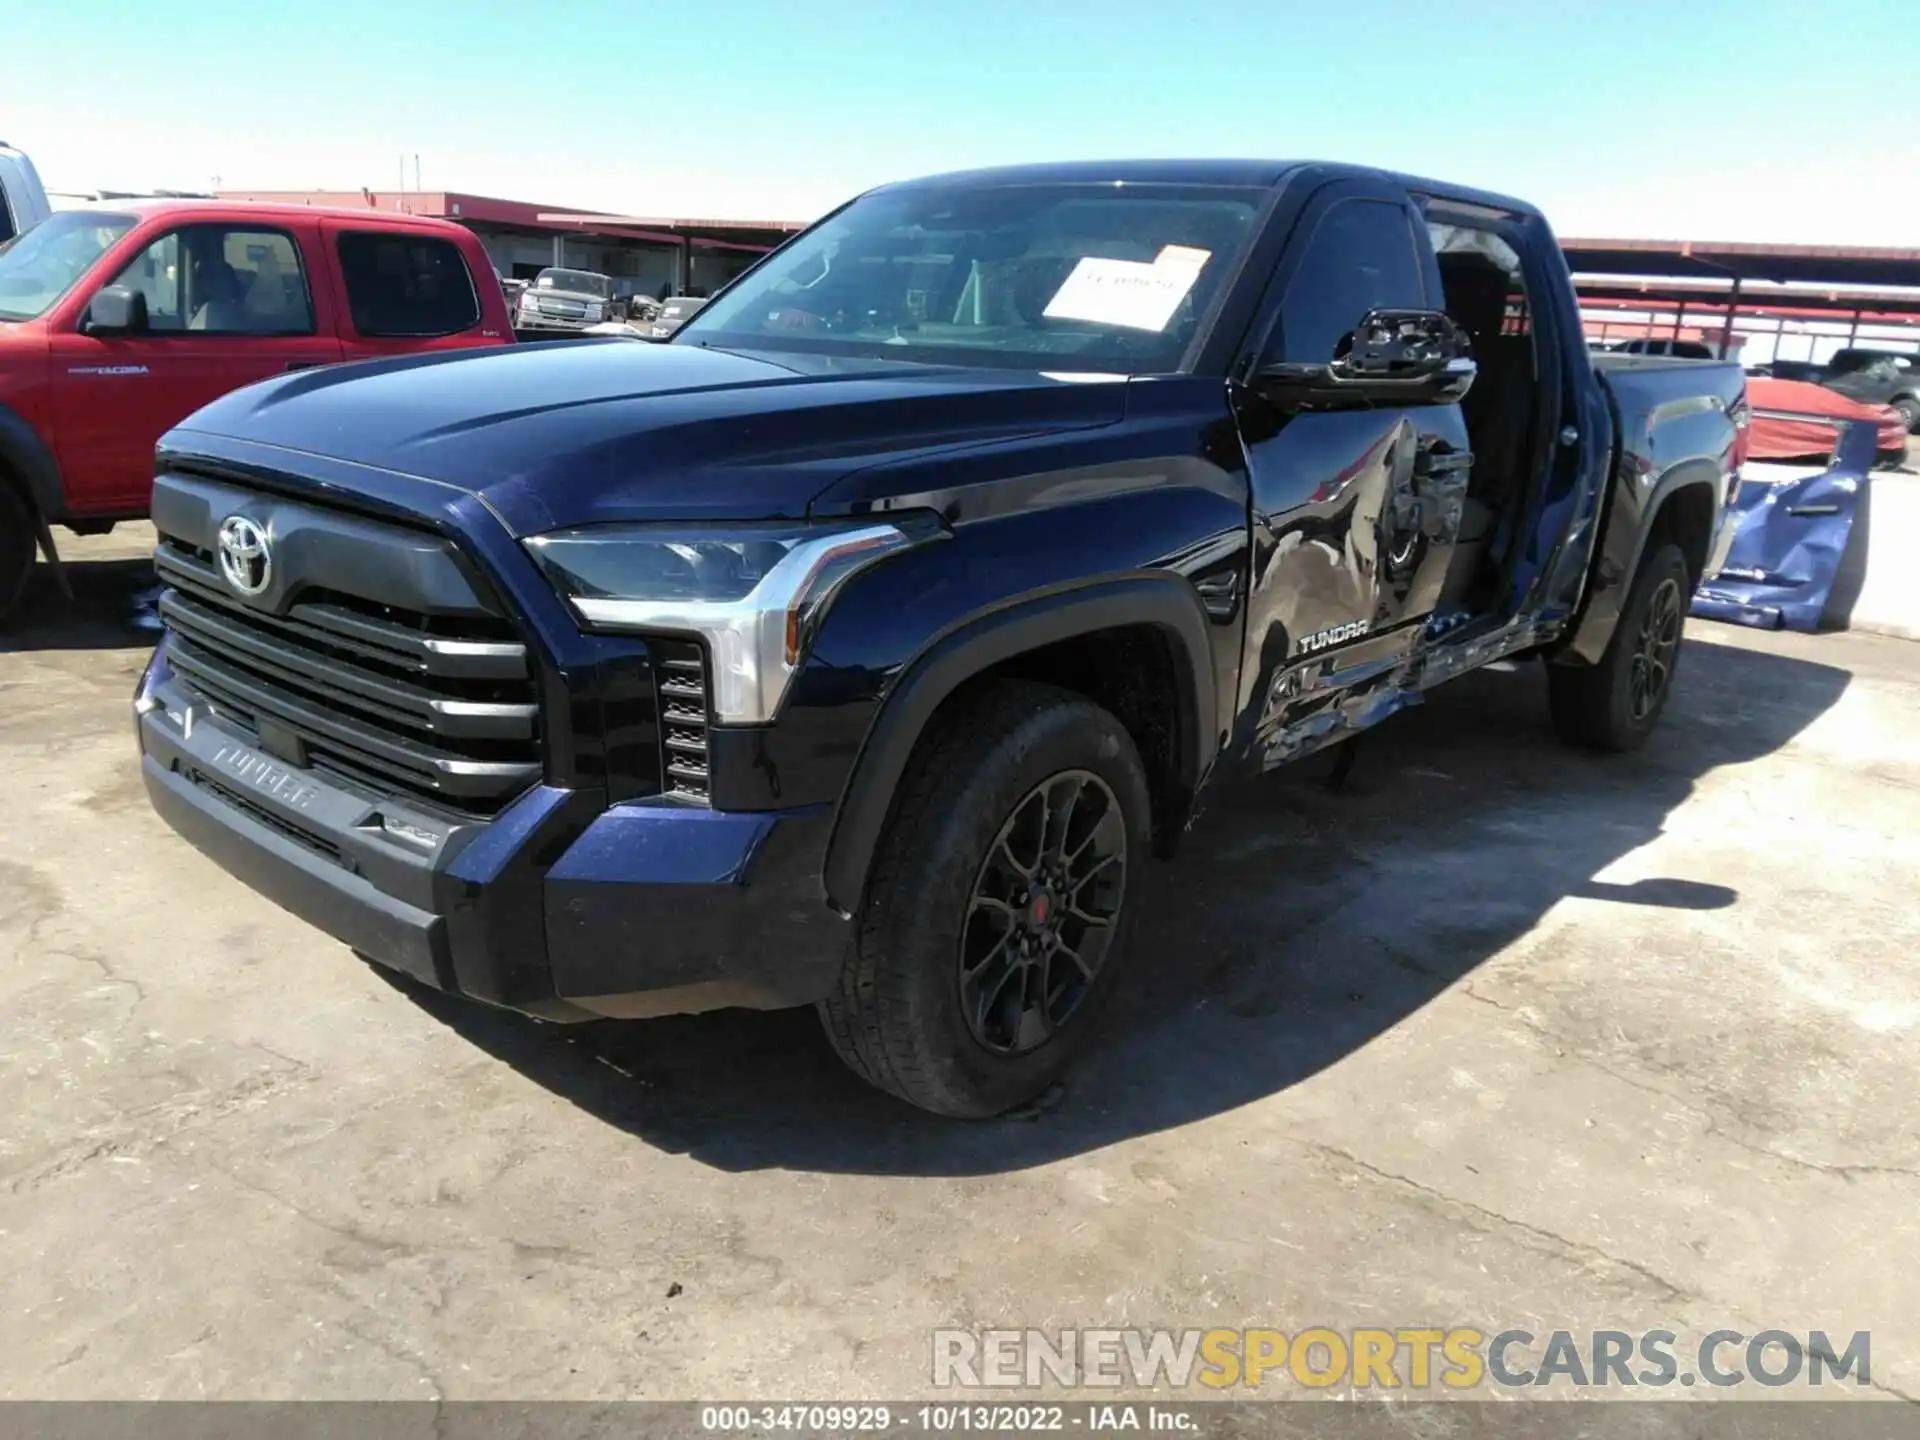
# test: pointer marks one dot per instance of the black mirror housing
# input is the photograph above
(117, 310)
(1392, 357)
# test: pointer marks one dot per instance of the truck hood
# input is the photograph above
(581, 432)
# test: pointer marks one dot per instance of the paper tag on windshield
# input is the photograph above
(1128, 292)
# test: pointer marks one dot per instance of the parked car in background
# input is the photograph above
(23, 200)
(566, 301)
(674, 313)
(1676, 349)
(1878, 377)
(1807, 370)
(117, 323)
(1792, 420)
(861, 645)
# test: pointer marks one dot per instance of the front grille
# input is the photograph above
(440, 708)
(681, 678)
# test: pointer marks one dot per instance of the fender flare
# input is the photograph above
(26, 454)
(1164, 601)
(1683, 477)
(1594, 629)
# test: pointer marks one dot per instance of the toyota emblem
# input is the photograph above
(244, 557)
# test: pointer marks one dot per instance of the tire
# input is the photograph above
(1615, 704)
(954, 998)
(1909, 409)
(18, 535)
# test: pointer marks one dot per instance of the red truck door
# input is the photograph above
(228, 303)
(409, 290)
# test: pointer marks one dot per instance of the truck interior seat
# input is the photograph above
(222, 306)
(1497, 411)
(271, 305)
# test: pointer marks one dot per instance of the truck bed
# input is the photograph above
(1674, 419)
(1684, 403)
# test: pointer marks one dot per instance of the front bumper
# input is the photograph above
(559, 906)
(525, 321)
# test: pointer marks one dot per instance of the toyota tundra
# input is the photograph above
(860, 646)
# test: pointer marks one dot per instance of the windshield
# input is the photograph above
(580, 282)
(40, 265)
(1046, 277)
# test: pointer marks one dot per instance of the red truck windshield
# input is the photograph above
(1068, 277)
(40, 265)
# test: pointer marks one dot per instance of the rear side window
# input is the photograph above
(1360, 257)
(407, 286)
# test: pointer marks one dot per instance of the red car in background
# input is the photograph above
(117, 323)
(1783, 429)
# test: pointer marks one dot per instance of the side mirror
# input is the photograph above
(1393, 357)
(116, 310)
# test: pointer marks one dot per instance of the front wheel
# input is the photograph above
(1909, 409)
(17, 538)
(1615, 704)
(996, 917)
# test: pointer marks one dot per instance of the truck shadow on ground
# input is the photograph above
(1296, 925)
(112, 608)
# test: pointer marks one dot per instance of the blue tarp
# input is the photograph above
(1799, 550)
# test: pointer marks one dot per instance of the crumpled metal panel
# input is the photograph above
(1799, 547)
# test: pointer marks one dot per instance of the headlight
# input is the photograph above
(754, 592)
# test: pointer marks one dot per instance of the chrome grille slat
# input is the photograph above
(392, 701)
(437, 706)
(318, 623)
(433, 770)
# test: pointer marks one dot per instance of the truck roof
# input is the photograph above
(1261, 173)
(215, 208)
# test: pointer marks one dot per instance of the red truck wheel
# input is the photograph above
(17, 530)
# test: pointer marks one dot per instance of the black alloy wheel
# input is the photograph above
(1654, 647)
(1615, 703)
(1043, 912)
(993, 933)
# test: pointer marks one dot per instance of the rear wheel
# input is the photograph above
(1909, 409)
(996, 917)
(1615, 704)
(18, 529)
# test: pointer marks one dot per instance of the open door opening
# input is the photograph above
(1487, 296)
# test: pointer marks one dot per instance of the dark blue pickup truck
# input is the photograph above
(859, 646)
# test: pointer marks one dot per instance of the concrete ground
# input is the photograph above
(1507, 1035)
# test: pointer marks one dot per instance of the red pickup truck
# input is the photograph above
(117, 323)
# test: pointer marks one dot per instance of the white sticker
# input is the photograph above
(1128, 292)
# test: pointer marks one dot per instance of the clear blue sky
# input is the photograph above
(1750, 119)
